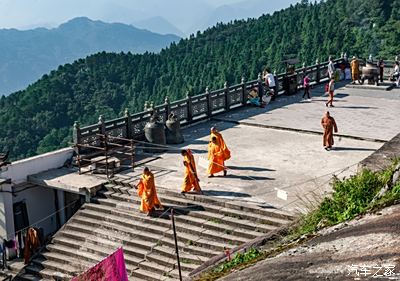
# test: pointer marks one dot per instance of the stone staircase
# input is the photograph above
(204, 225)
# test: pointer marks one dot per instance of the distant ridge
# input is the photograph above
(159, 25)
(26, 55)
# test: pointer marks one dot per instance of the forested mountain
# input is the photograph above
(26, 55)
(40, 118)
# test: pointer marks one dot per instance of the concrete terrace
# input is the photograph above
(274, 148)
(281, 146)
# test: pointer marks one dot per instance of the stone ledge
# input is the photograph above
(385, 86)
(383, 157)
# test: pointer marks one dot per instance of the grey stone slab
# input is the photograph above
(68, 180)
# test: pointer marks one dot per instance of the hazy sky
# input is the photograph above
(184, 14)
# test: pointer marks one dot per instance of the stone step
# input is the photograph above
(220, 202)
(26, 277)
(227, 212)
(140, 274)
(150, 255)
(215, 221)
(163, 228)
(97, 253)
(137, 229)
(73, 261)
(219, 235)
(146, 240)
(47, 272)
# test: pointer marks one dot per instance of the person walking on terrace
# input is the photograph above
(216, 157)
(307, 86)
(221, 141)
(355, 70)
(330, 90)
(331, 69)
(270, 83)
(328, 123)
(191, 181)
(146, 190)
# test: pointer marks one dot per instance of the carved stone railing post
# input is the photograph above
(167, 106)
(226, 96)
(76, 134)
(102, 131)
(260, 87)
(189, 107)
(128, 124)
(209, 102)
(102, 126)
(318, 76)
(244, 96)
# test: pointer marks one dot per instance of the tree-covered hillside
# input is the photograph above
(40, 118)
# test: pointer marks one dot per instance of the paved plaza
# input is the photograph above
(280, 147)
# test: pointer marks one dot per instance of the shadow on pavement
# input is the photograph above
(338, 148)
(255, 169)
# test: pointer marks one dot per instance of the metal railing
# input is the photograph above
(104, 154)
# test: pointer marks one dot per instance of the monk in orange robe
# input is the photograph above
(191, 181)
(220, 139)
(32, 243)
(216, 157)
(329, 125)
(146, 189)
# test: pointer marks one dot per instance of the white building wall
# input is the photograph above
(40, 200)
(39, 205)
(6, 207)
(19, 170)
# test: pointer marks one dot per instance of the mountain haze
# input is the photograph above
(159, 25)
(26, 55)
(40, 118)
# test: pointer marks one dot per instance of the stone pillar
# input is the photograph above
(167, 106)
(61, 206)
(102, 127)
(146, 105)
(260, 87)
(189, 108)
(76, 134)
(128, 124)
(226, 96)
(6, 211)
(244, 94)
(209, 103)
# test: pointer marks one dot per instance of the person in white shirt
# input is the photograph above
(331, 68)
(270, 83)
(396, 73)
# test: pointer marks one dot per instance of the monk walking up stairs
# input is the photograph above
(146, 190)
(191, 181)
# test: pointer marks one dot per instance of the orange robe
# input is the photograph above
(216, 157)
(190, 181)
(329, 125)
(355, 69)
(147, 191)
(224, 147)
(32, 243)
